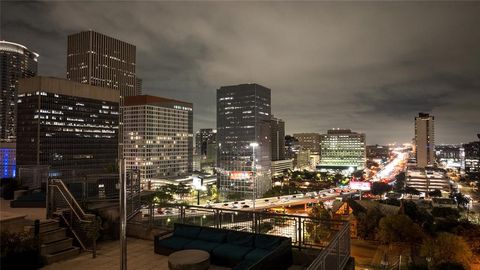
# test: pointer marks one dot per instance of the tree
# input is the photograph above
(446, 212)
(460, 198)
(182, 190)
(399, 182)
(368, 222)
(418, 215)
(412, 191)
(399, 229)
(435, 193)
(337, 178)
(447, 248)
(317, 229)
(380, 188)
(162, 196)
(213, 193)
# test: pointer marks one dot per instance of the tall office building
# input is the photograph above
(158, 137)
(278, 138)
(309, 141)
(69, 126)
(243, 118)
(138, 86)
(424, 140)
(203, 138)
(472, 157)
(100, 60)
(342, 149)
(16, 62)
(97, 59)
(206, 149)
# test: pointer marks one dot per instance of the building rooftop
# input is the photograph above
(153, 100)
(68, 88)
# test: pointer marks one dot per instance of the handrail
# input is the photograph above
(80, 217)
(318, 261)
(71, 207)
(70, 195)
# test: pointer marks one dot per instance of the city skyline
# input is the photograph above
(372, 70)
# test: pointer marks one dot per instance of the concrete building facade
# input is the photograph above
(243, 118)
(158, 137)
(424, 140)
(342, 149)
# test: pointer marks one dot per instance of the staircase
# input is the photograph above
(62, 206)
(55, 245)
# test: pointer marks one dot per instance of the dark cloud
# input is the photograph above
(367, 66)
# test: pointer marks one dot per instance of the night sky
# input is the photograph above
(370, 67)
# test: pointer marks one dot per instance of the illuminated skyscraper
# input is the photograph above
(158, 137)
(309, 141)
(69, 126)
(100, 60)
(16, 62)
(342, 149)
(278, 139)
(243, 118)
(424, 140)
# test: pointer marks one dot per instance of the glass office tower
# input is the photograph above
(243, 118)
(16, 62)
(69, 126)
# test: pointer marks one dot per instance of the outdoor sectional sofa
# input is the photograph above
(239, 250)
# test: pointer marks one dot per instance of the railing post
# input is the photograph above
(338, 252)
(47, 200)
(94, 246)
(299, 231)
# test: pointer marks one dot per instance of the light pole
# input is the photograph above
(254, 172)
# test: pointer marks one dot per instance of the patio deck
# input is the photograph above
(140, 255)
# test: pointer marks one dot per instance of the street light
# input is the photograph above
(254, 165)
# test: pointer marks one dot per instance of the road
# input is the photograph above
(389, 171)
(287, 200)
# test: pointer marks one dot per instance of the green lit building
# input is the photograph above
(342, 149)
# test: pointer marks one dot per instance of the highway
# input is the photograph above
(390, 170)
(285, 201)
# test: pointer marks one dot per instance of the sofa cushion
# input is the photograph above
(240, 238)
(231, 252)
(244, 265)
(257, 254)
(212, 235)
(174, 242)
(264, 241)
(201, 244)
(186, 231)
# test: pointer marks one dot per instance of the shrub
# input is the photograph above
(19, 251)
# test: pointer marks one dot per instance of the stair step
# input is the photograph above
(53, 235)
(56, 246)
(62, 255)
(45, 226)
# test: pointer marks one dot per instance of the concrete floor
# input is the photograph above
(140, 255)
(30, 213)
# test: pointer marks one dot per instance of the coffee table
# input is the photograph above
(189, 259)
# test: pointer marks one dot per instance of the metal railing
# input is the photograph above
(336, 254)
(61, 203)
(330, 237)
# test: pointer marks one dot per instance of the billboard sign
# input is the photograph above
(360, 185)
(240, 175)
